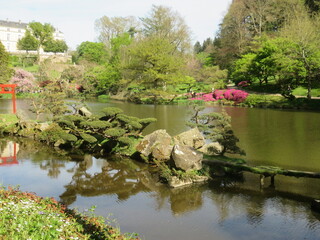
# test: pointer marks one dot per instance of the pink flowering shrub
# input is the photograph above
(235, 95)
(24, 80)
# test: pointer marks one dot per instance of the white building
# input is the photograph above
(11, 32)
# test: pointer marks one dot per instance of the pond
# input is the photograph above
(222, 209)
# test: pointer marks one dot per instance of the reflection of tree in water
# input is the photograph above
(49, 159)
(126, 178)
(123, 178)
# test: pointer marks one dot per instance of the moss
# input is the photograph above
(114, 132)
(88, 138)
(111, 111)
(96, 124)
(6, 119)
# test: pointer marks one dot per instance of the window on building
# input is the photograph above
(8, 29)
(8, 46)
(8, 37)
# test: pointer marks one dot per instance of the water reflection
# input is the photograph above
(8, 153)
(223, 209)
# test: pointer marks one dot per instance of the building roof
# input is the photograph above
(10, 24)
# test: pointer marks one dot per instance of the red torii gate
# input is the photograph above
(12, 91)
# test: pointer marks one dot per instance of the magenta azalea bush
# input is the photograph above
(235, 95)
(24, 80)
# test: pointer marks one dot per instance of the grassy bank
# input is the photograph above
(27, 216)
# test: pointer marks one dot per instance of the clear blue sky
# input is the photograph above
(75, 18)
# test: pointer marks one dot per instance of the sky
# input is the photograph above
(76, 18)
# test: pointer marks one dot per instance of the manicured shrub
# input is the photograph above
(96, 124)
(88, 138)
(111, 111)
(114, 132)
(68, 137)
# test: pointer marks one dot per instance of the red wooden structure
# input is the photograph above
(10, 89)
(11, 159)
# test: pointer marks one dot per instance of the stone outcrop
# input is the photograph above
(175, 182)
(157, 145)
(85, 112)
(192, 138)
(186, 158)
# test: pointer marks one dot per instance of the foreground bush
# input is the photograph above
(27, 216)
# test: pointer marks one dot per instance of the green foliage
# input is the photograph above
(28, 42)
(66, 123)
(217, 128)
(95, 124)
(68, 137)
(5, 69)
(155, 63)
(88, 138)
(55, 46)
(92, 52)
(102, 79)
(125, 141)
(111, 112)
(114, 132)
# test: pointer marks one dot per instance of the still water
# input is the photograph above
(222, 209)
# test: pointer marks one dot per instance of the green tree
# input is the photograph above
(154, 63)
(42, 32)
(110, 28)
(92, 52)
(55, 46)
(102, 79)
(117, 44)
(217, 128)
(6, 71)
(28, 42)
(164, 23)
(304, 33)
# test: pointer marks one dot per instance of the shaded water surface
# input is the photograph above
(222, 209)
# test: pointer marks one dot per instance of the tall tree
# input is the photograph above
(28, 42)
(110, 28)
(304, 32)
(92, 52)
(42, 32)
(164, 23)
(6, 71)
(154, 62)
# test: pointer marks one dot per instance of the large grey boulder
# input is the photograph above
(158, 145)
(186, 158)
(192, 138)
(214, 148)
